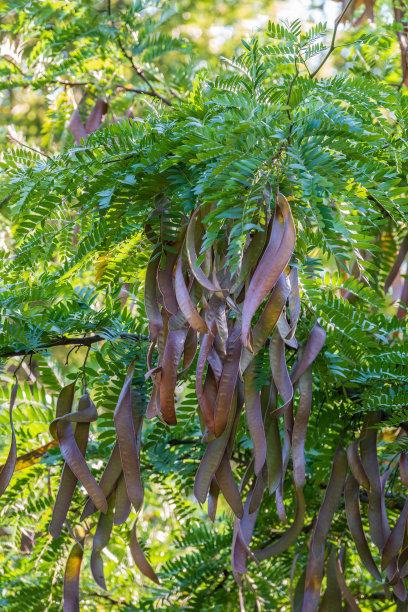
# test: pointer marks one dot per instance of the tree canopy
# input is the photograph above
(203, 309)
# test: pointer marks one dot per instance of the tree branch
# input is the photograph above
(331, 48)
(152, 92)
(26, 146)
(64, 341)
(141, 74)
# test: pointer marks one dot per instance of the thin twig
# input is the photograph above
(12, 61)
(146, 92)
(331, 48)
(67, 341)
(141, 74)
(22, 144)
(291, 87)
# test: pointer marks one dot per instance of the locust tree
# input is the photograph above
(203, 315)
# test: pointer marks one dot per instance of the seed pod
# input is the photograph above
(100, 541)
(315, 565)
(61, 430)
(222, 324)
(226, 482)
(212, 457)
(206, 405)
(271, 265)
(122, 503)
(184, 301)
(108, 481)
(348, 596)
(290, 536)
(8, 468)
(258, 491)
(356, 465)
(280, 371)
(192, 256)
(294, 301)
(352, 504)
(395, 539)
(96, 117)
(165, 283)
(332, 595)
(267, 320)
(254, 418)
(242, 535)
(300, 427)
(139, 557)
(313, 347)
(190, 351)
(71, 578)
(249, 259)
(403, 468)
(215, 362)
(125, 429)
(151, 298)
(397, 264)
(368, 448)
(273, 454)
(77, 128)
(68, 478)
(171, 359)
(227, 382)
(213, 499)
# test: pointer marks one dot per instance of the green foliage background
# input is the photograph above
(337, 145)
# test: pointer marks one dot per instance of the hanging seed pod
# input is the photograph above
(403, 468)
(280, 371)
(290, 536)
(8, 468)
(356, 465)
(395, 539)
(397, 264)
(96, 117)
(100, 541)
(253, 413)
(267, 320)
(300, 427)
(192, 255)
(61, 430)
(122, 503)
(165, 283)
(71, 578)
(368, 448)
(315, 564)
(271, 265)
(171, 359)
(228, 381)
(68, 479)
(353, 514)
(243, 530)
(108, 481)
(185, 302)
(332, 597)
(314, 345)
(151, 296)
(212, 457)
(213, 499)
(226, 482)
(127, 438)
(139, 557)
(348, 596)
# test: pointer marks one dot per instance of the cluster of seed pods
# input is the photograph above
(203, 309)
(199, 313)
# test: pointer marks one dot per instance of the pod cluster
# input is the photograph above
(203, 316)
(204, 310)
